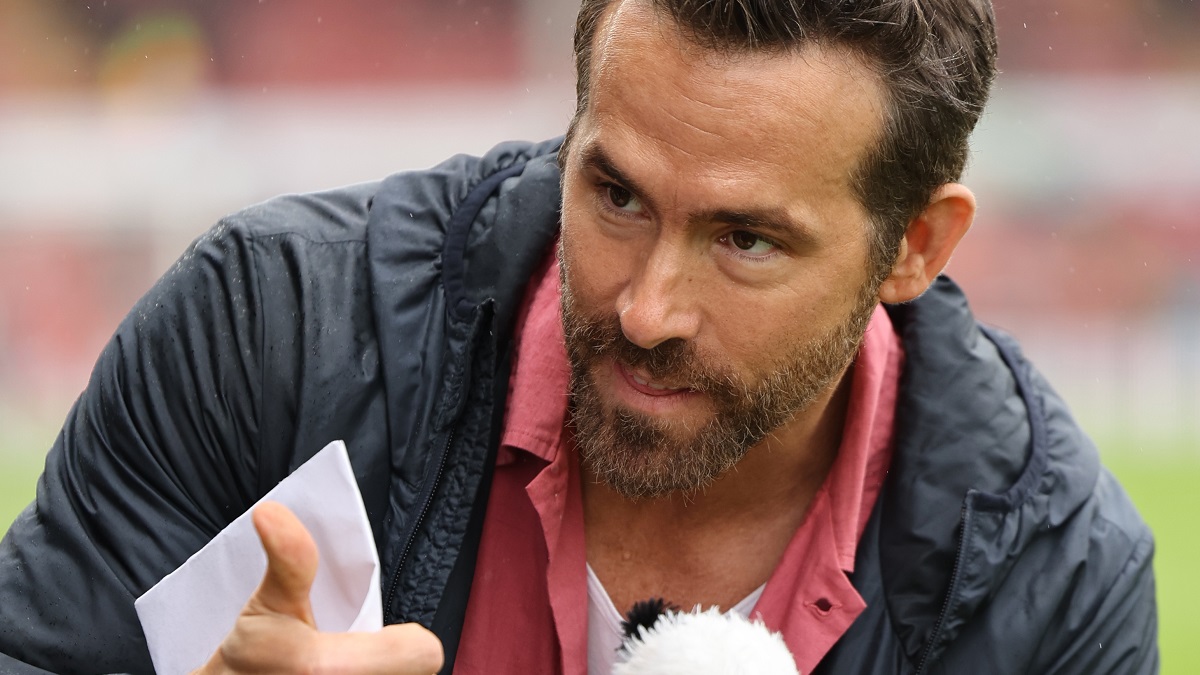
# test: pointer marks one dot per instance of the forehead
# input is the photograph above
(805, 113)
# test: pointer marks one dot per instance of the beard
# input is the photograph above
(641, 457)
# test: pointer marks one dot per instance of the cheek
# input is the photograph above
(749, 331)
(596, 267)
(594, 283)
(757, 329)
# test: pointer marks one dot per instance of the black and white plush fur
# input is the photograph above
(661, 640)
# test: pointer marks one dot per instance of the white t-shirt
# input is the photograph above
(604, 624)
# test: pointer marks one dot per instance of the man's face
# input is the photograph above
(714, 258)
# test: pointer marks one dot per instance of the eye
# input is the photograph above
(749, 244)
(622, 199)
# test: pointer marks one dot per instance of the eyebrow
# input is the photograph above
(594, 157)
(769, 220)
(775, 221)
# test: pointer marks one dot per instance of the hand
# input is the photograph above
(276, 632)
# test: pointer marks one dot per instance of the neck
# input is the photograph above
(716, 546)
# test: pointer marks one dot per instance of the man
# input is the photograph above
(724, 415)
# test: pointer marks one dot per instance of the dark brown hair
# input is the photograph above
(935, 58)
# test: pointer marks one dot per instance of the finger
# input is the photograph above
(291, 563)
(403, 649)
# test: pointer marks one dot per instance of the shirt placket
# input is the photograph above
(557, 500)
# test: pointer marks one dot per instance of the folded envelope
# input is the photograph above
(187, 614)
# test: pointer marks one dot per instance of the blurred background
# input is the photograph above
(127, 127)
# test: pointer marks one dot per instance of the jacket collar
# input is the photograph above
(977, 431)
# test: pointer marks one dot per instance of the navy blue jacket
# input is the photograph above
(382, 314)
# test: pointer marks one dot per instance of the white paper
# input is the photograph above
(187, 614)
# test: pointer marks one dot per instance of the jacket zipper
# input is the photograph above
(412, 535)
(950, 593)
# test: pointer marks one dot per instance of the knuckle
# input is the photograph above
(234, 650)
(265, 643)
(423, 648)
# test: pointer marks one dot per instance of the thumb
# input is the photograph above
(291, 564)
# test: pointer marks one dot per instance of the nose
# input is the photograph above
(659, 301)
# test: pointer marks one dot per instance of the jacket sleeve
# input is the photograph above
(1116, 633)
(156, 456)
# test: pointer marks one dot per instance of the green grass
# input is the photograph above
(23, 441)
(1163, 481)
(18, 479)
(1167, 493)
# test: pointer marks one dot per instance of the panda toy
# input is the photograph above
(661, 640)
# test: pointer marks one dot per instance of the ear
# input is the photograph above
(928, 242)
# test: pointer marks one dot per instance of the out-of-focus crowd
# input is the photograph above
(106, 43)
(81, 44)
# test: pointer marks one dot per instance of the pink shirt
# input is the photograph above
(528, 607)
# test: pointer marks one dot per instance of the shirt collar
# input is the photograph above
(538, 388)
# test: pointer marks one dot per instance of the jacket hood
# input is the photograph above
(986, 456)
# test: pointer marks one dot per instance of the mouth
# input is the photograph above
(641, 382)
